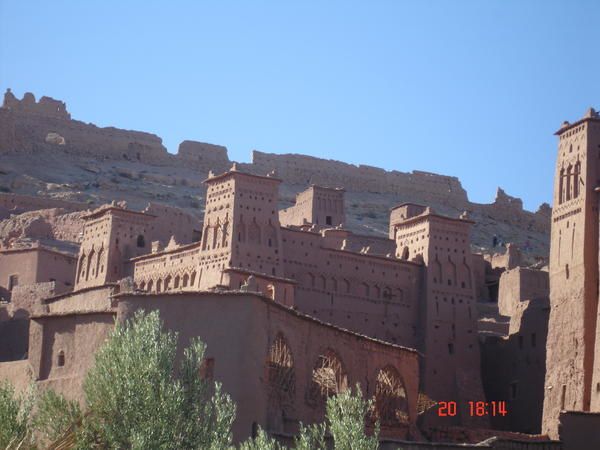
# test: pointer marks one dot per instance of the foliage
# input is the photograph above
(311, 437)
(135, 401)
(55, 416)
(262, 441)
(15, 417)
(346, 415)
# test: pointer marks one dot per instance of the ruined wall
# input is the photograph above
(203, 155)
(303, 170)
(18, 203)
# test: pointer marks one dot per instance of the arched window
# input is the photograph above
(254, 233)
(391, 405)
(81, 272)
(561, 193)
(168, 283)
(193, 279)
(568, 189)
(271, 291)
(141, 243)
(142, 286)
(387, 293)
(334, 285)
(186, 280)
(159, 285)
(271, 235)
(60, 360)
(176, 282)
(99, 262)
(322, 282)
(150, 286)
(377, 291)
(346, 285)
(405, 253)
(366, 290)
(281, 376)
(328, 378)
(451, 273)
(241, 231)
(576, 175)
(310, 278)
(90, 266)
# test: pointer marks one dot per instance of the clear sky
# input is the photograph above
(473, 89)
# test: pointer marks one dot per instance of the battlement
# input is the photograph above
(46, 106)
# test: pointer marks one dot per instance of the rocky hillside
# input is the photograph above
(46, 153)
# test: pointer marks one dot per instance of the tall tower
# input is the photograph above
(448, 316)
(241, 227)
(111, 235)
(573, 272)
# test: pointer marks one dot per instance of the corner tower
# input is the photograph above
(573, 272)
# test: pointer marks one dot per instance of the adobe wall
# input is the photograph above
(203, 155)
(579, 430)
(18, 203)
(197, 314)
(77, 337)
(171, 221)
(17, 373)
(520, 284)
(372, 295)
(303, 170)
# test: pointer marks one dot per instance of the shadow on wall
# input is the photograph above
(14, 337)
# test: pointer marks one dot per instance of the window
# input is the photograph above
(328, 220)
(141, 243)
(60, 360)
(391, 405)
(563, 396)
(280, 369)
(13, 281)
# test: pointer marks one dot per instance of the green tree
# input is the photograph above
(15, 417)
(136, 398)
(311, 437)
(346, 415)
(55, 416)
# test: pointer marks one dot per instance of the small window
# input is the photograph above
(563, 396)
(13, 281)
(141, 242)
(328, 220)
(60, 361)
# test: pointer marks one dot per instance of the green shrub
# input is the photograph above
(15, 418)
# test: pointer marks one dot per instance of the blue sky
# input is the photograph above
(473, 89)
